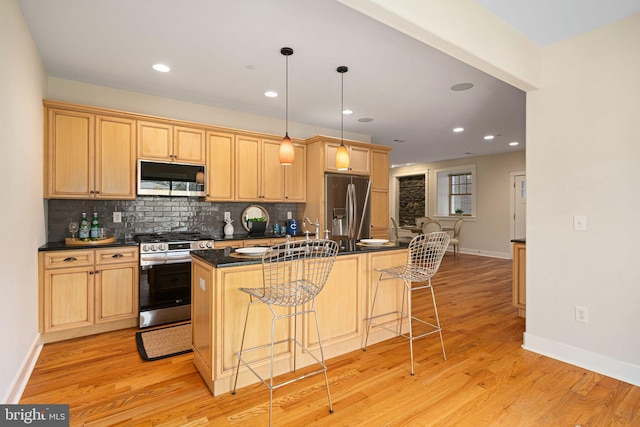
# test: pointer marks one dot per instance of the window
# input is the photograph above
(455, 191)
(460, 194)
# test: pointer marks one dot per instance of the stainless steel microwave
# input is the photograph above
(170, 179)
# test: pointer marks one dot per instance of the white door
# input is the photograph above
(519, 206)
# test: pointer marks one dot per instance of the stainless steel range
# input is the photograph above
(165, 275)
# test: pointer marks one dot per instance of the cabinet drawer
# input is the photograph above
(63, 259)
(116, 255)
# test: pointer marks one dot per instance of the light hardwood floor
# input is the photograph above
(487, 379)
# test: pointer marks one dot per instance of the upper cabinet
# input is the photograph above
(89, 155)
(220, 166)
(259, 176)
(359, 158)
(167, 142)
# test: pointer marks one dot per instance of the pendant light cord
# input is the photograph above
(286, 96)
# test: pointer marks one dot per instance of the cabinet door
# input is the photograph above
(220, 166)
(155, 141)
(359, 161)
(295, 176)
(188, 145)
(379, 170)
(272, 176)
(201, 312)
(248, 168)
(116, 288)
(115, 161)
(70, 166)
(68, 298)
(379, 214)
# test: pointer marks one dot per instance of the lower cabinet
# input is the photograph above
(87, 291)
(219, 309)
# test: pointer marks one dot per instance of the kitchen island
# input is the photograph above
(218, 311)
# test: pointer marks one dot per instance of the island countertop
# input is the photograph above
(221, 258)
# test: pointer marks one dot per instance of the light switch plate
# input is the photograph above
(117, 217)
(579, 223)
(227, 215)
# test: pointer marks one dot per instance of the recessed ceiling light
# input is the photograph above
(514, 143)
(458, 130)
(461, 86)
(365, 120)
(161, 67)
(270, 94)
(346, 111)
(489, 137)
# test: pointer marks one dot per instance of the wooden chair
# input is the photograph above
(404, 239)
(431, 227)
(455, 240)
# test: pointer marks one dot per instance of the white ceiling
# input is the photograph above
(227, 54)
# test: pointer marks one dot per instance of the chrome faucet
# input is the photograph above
(317, 225)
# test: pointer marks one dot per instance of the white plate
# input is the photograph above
(255, 251)
(374, 242)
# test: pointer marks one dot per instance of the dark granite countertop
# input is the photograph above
(61, 246)
(521, 240)
(222, 257)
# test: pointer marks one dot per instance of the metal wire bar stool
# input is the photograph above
(425, 254)
(293, 273)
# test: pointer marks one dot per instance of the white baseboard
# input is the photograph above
(19, 383)
(480, 252)
(585, 359)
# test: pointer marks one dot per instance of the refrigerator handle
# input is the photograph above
(351, 211)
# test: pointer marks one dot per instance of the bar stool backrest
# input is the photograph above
(295, 272)
(425, 254)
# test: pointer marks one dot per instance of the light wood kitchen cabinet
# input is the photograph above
(88, 291)
(295, 176)
(220, 166)
(219, 310)
(259, 176)
(166, 142)
(380, 194)
(359, 159)
(89, 156)
(519, 289)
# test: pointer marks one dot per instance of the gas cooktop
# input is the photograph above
(171, 236)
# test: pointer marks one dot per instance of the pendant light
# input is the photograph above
(286, 153)
(342, 155)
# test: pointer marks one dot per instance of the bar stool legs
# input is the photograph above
(425, 254)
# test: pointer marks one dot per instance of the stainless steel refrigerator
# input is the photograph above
(347, 212)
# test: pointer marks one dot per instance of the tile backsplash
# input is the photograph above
(150, 214)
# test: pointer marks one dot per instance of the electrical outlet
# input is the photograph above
(582, 314)
(117, 217)
(289, 215)
(227, 215)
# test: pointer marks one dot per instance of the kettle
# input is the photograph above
(293, 227)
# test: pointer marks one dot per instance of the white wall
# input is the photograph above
(488, 233)
(582, 148)
(22, 86)
(583, 152)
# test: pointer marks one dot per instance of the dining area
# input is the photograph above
(424, 225)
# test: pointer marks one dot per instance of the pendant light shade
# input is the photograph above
(286, 153)
(342, 156)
